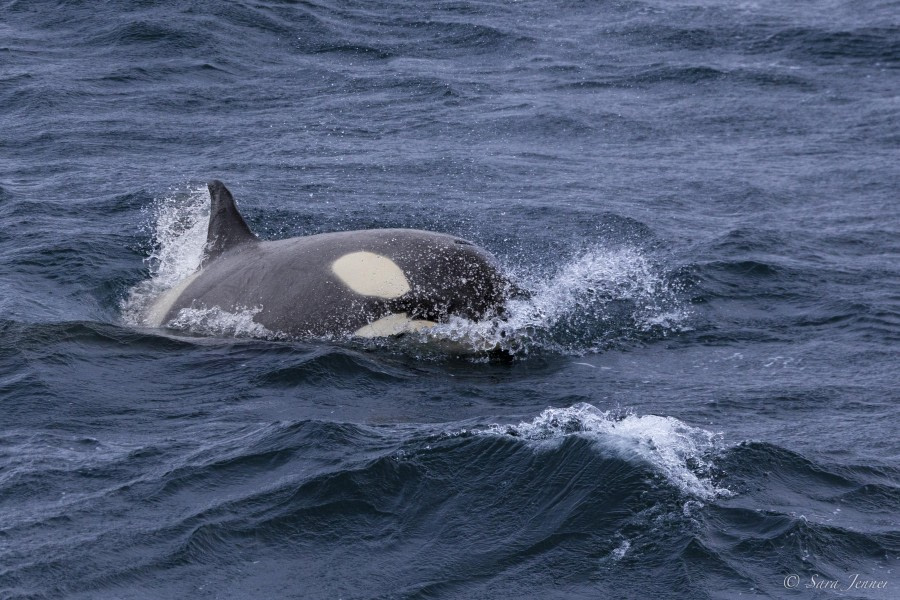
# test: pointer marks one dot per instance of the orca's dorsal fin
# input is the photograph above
(227, 228)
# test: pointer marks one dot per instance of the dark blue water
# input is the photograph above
(701, 197)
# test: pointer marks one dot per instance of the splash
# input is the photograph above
(178, 237)
(680, 453)
(599, 297)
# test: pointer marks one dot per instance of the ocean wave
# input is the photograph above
(611, 487)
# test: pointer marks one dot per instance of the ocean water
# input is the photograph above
(700, 196)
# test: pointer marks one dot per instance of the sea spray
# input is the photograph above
(178, 236)
(600, 296)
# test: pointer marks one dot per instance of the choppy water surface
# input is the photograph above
(701, 199)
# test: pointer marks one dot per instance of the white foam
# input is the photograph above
(677, 451)
(619, 552)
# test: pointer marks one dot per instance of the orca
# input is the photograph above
(369, 283)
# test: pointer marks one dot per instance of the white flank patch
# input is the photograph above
(391, 325)
(371, 274)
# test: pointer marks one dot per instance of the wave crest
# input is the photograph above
(680, 453)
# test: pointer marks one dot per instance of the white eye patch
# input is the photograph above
(370, 274)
